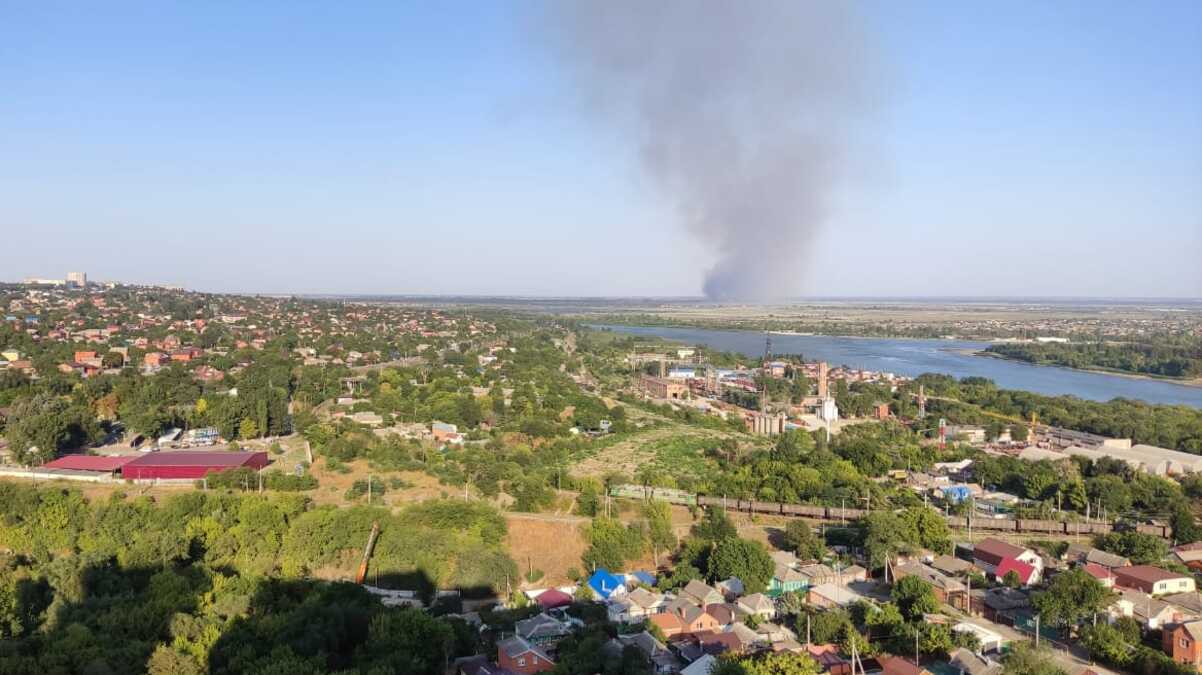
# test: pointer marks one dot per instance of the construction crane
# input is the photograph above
(371, 545)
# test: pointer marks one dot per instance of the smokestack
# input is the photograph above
(738, 111)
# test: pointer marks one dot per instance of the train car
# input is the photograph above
(766, 507)
(1148, 528)
(706, 500)
(995, 524)
(803, 510)
(1045, 526)
(960, 522)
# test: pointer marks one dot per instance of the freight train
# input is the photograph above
(841, 514)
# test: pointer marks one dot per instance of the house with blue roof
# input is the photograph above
(641, 577)
(607, 585)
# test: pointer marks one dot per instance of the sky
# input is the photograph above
(1017, 148)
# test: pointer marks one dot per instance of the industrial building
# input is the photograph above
(189, 465)
(1148, 458)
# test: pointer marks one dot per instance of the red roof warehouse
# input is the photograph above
(183, 464)
(98, 463)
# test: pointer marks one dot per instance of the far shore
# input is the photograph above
(1185, 382)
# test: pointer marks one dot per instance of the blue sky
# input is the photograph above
(1022, 148)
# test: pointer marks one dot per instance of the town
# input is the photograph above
(619, 504)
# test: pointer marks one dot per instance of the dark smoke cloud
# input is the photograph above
(739, 111)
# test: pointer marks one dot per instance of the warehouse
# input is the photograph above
(189, 465)
(90, 463)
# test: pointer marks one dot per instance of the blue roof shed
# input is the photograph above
(605, 584)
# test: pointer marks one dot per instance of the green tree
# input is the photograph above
(782, 663)
(914, 598)
(1024, 659)
(715, 526)
(1072, 597)
(800, 539)
(611, 544)
(747, 560)
(247, 429)
(660, 535)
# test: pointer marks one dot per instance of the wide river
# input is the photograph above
(915, 357)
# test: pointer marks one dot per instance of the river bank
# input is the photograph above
(911, 357)
(1183, 381)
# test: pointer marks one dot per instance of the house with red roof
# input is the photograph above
(1027, 574)
(1153, 580)
(1102, 574)
(989, 554)
(552, 598)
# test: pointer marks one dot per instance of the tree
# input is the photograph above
(1108, 644)
(1142, 549)
(1024, 659)
(1072, 597)
(782, 663)
(1011, 580)
(611, 544)
(660, 535)
(715, 526)
(914, 598)
(800, 539)
(247, 429)
(745, 559)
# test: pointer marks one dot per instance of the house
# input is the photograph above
(1082, 553)
(660, 658)
(521, 657)
(1153, 580)
(1027, 574)
(1190, 603)
(828, 658)
(785, 579)
(541, 630)
(477, 665)
(896, 665)
(952, 566)
(552, 598)
(969, 663)
(1151, 613)
(684, 620)
(990, 641)
(758, 604)
(996, 602)
(731, 588)
(1189, 555)
(701, 593)
(607, 585)
(947, 589)
(833, 595)
(702, 666)
(1183, 642)
(1103, 574)
(989, 553)
(636, 605)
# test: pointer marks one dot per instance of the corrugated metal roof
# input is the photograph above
(90, 462)
(195, 458)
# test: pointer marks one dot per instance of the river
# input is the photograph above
(915, 357)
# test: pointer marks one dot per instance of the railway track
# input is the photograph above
(840, 514)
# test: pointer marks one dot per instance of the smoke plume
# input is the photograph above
(739, 111)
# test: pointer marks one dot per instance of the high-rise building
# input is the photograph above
(79, 279)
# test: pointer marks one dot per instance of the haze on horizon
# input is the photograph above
(1031, 149)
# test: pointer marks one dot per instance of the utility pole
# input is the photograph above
(807, 629)
(916, 646)
(1037, 631)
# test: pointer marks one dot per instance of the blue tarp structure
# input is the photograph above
(604, 584)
